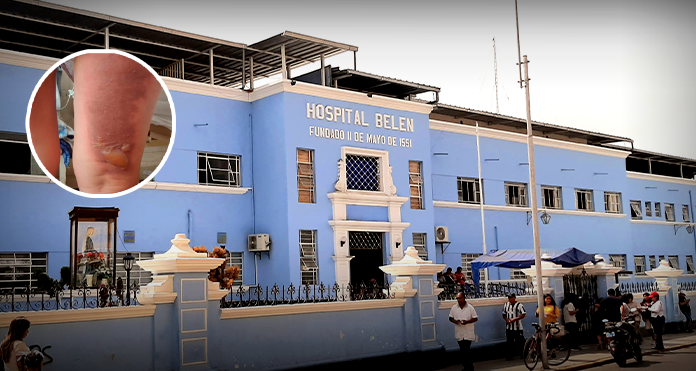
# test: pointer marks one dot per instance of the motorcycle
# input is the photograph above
(623, 341)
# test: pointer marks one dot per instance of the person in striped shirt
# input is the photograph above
(513, 313)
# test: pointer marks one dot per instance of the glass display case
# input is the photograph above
(93, 234)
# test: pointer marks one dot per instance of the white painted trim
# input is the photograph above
(660, 178)
(26, 60)
(434, 332)
(205, 315)
(283, 310)
(367, 226)
(192, 87)
(420, 308)
(660, 222)
(205, 291)
(161, 186)
(79, 315)
(366, 199)
(460, 205)
(521, 138)
(448, 304)
(194, 363)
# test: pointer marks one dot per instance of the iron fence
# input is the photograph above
(490, 290)
(638, 287)
(27, 299)
(255, 296)
(687, 286)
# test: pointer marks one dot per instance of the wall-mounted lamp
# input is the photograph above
(206, 124)
(545, 218)
(343, 240)
(398, 243)
(690, 229)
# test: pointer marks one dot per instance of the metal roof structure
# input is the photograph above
(42, 28)
(498, 121)
(380, 85)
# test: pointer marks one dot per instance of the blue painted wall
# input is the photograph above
(16, 86)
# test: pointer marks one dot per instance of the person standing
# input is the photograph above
(551, 311)
(571, 322)
(513, 313)
(611, 307)
(657, 317)
(13, 347)
(463, 315)
(686, 310)
(645, 304)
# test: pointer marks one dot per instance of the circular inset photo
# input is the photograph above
(101, 123)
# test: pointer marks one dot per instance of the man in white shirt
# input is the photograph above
(657, 317)
(463, 316)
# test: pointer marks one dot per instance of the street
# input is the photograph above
(679, 359)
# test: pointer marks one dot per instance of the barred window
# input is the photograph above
(618, 260)
(669, 212)
(305, 176)
(674, 261)
(21, 269)
(653, 262)
(236, 259)
(362, 173)
(137, 274)
(636, 210)
(466, 266)
(583, 199)
(309, 269)
(516, 194)
(612, 203)
(419, 244)
(469, 190)
(14, 147)
(648, 208)
(690, 264)
(517, 274)
(685, 213)
(216, 169)
(551, 197)
(658, 210)
(415, 181)
(639, 262)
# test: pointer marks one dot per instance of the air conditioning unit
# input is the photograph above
(441, 235)
(259, 243)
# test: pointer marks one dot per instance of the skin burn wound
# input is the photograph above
(115, 154)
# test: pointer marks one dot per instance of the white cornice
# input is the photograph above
(367, 226)
(283, 310)
(661, 222)
(459, 205)
(365, 199)
(25, 178)
(661, 178)
(180, 265)
(38, 62)
(186, 86)
(521, 138)
(79, 315)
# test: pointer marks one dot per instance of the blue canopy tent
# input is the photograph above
(525, 259)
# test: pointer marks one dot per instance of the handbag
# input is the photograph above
(557, 331)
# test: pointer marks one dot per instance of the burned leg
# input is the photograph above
(115, 98)
(43, 125)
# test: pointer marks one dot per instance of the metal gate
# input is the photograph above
(584, 287)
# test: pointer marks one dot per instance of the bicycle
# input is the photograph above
(556, 348)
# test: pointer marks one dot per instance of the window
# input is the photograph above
(669, 212)
(308, 257)
(653, 262)
(648, 208)
(583, 199)
(658, 210)
(685, 213)
(612, 203)
(639, 262)
(415, 182)
(551, 197)
(517, 274)
(21, 269)
(419, 244)
(305, 176)
(636, 210)
(690, 264)
(236, 259)
(674, 261)
(362, 173)
(137, 274)
(516, 194)
(466, 265)
(219, 170)
(618, 260)
(469, 190)
(14, 148)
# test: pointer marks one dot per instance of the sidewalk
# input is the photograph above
(579, 360)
